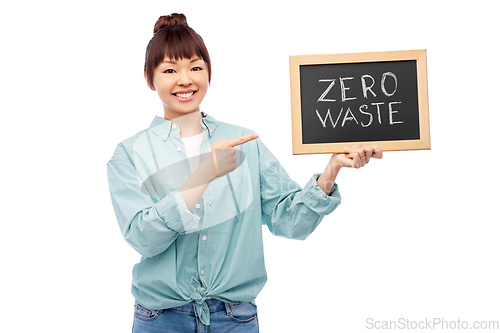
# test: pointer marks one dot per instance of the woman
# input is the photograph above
(191, 193)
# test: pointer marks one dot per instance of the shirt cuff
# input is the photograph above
(316, 199)
(173, 210)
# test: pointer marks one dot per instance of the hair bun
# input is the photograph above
(169, 20)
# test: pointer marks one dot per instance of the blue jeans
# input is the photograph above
(224, 317)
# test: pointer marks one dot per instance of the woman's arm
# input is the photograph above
(289, 210)
(151, 227)
(292, 212)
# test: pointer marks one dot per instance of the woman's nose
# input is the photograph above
(184, 79)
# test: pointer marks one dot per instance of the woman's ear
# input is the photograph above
(152, 87)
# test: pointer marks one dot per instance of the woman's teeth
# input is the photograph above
(185, 95)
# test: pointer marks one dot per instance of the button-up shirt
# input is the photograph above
(216, 249)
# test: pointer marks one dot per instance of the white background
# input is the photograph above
(416, 236)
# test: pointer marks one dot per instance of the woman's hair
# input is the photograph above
(173, 38)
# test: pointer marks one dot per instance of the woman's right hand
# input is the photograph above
(220, 158)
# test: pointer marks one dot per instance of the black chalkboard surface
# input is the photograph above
(363, 98)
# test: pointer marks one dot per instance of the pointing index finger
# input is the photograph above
(241, 140)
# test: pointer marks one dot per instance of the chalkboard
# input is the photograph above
(341, 100)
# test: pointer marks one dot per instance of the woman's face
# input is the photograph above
(181, 85)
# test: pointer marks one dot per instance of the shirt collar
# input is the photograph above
(161, 126)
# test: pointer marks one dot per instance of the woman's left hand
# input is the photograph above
(358, 156)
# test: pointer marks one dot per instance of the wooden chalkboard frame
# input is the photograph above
(322, 148)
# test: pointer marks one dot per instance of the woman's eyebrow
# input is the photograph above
(175, 62)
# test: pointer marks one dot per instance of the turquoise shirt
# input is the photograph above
(216, 249)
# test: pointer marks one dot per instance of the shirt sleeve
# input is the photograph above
(149, 227)
(287, 209)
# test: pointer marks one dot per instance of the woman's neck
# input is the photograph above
(189, 124)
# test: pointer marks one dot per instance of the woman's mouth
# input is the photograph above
(184, 96)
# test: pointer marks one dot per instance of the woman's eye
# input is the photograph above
(169, 71)
(195, 69)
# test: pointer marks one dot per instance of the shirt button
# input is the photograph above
(174, 126)
(197, 206)
(202, 272)
(209, 204)
(164, 135)
(204, 237)
(178, 148)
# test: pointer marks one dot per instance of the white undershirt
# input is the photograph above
(192, 145)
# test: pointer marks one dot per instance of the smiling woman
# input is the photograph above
(195, 211)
